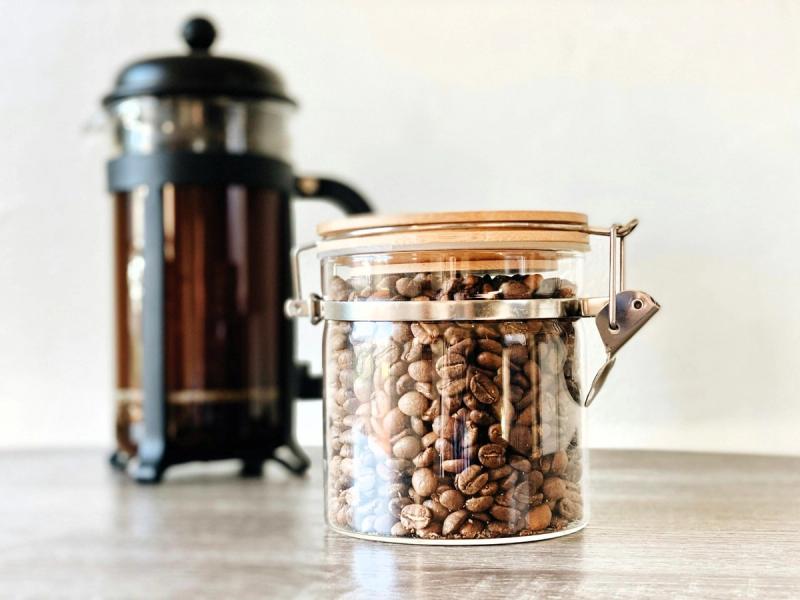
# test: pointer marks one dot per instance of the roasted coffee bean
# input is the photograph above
(408, 286)
(532, 282)
(489, 360)
(395, 421)
(471, 480)
(471, 529)
(486, 331)
(413, 403)
(499, 473)
(479, 504)
(538, 517)
(480, 417)
(452, 499)
(438, 511)
(451, 366)
(492, 456)
(338, 289)
(454, 334)
(554, 488)
(520, 463)
(454, 465)
(454, 521)
(415, 516)
(418, 426)
(401, 332)
(451, 387)
(559, 462)
(495, 433)
(514, 290)
(424, 481)
(425, 333)
(421, 370)
(407, 447)
(464, 347)
(571, 508)
(504, 513)
(483, 388)
(431, 532)
(500, 529)
(399, 530)
(426, 458)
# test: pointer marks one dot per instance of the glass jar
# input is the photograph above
(454, 382)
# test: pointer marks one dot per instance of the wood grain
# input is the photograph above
(664, 525)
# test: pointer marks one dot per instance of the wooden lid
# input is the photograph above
(455, 230)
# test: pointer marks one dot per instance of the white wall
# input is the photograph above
(684, 114)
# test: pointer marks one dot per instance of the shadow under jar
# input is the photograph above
(466, 430)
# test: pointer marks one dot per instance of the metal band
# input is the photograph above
(463, 310)
(622, 231)
(126, 172)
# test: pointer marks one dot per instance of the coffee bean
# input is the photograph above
(454, 465)
(407, 447)
(504, 513)
(532, 282)
(395, 421)
(471, 480)
(499, 473)
(426, 458)
(479, 504)
(492, 456)
(520, 463)
(415, 516)
(401, 332)
(454, 521)
(399, 530)
(559, 462)
(483, 388)
(451, 387)
(554, 488)
(421, 370)
(424, 481)
(571, 508)
(471, 529)
(454, 334)
(538, 517)
(338, 289)
(514, 290)
(408, 287)
(489, 360)
(438, 511)
(452, 499)
(425, 333)
(444, 448)
(413, 403)
(431, 532)
(451, 366)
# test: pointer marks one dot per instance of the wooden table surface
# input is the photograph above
(668, 525)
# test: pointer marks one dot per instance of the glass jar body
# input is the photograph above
(454, 432)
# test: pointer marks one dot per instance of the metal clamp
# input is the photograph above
(296, 306)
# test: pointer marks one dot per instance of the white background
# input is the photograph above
(684, 114)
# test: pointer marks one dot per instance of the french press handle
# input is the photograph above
(351, 202)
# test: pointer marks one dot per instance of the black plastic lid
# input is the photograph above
(198, 73)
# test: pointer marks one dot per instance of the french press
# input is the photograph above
(201, 186)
